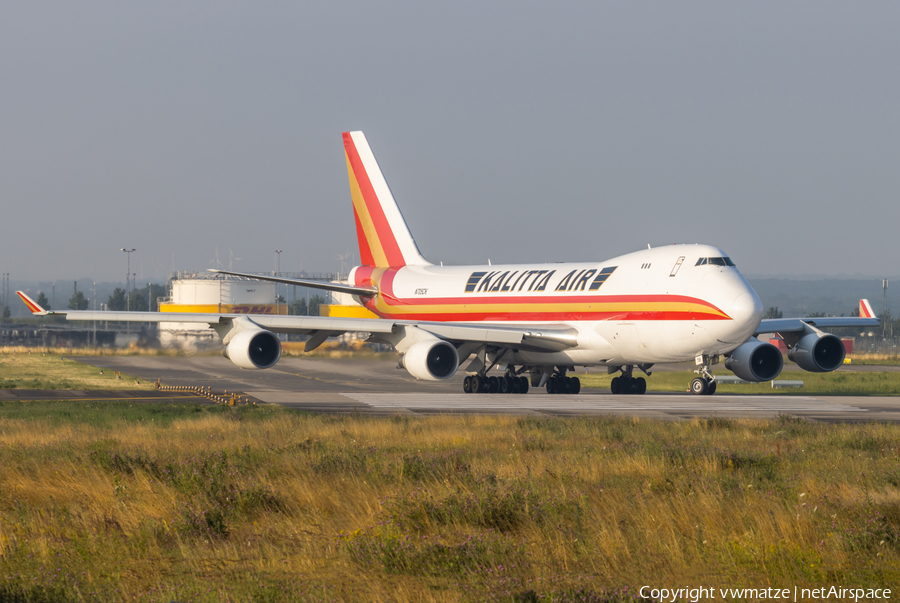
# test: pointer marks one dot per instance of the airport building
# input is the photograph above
(207, 292)
(343, 305)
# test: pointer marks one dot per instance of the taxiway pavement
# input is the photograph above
(377, 386)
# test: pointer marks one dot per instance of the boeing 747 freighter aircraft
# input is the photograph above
(668, 304)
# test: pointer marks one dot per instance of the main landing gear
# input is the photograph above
(560, 384)
(513, 383)
(507, 384)
(627, 383)
(705, 384)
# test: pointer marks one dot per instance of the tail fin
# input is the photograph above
(865, 309)
(384, 237)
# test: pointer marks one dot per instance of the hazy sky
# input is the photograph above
(514, 131)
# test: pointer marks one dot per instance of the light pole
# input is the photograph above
(128, 279)
(3, 299)
(277, 269)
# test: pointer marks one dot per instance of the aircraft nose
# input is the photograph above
(747, 308)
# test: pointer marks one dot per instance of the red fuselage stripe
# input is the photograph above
(548, 316)
(405, 307)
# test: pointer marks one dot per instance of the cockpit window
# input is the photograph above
(715, 262)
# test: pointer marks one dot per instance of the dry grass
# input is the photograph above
(875, 359)
(48, 368)
(260, 504)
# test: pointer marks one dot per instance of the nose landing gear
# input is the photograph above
(705, 384)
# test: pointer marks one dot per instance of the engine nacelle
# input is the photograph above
(818, 352)
(431, 360)
(755, 361)
(254, 349)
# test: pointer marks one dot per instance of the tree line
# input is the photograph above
(141, 300)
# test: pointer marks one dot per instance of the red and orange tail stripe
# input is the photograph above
(384, 238)
(32, 305)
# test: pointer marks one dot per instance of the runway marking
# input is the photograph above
(691, 403)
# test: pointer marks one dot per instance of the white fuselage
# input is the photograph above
(651, 306)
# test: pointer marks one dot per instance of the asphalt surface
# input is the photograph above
(377, 386)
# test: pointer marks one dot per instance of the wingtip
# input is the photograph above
(865, 309)
(36, 309)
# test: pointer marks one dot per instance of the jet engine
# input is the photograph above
(431, 360)
(818, 352)
(755, 361)
(254, 349)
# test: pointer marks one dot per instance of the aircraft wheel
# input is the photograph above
(574, 385)
(477, 385)
(504, 385)
(551, 385)
(699, 386)
(640, 385)
(614, 385)
(712, 388)
(562, 385)
(467, 384)
(493, 385)
(523, 385)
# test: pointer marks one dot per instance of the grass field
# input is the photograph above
(190, 503)
(21, 368)
(124, 501)
(875, 359)
(51, 368)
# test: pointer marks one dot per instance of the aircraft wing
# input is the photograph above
(549, 338)
(866, 318)
(788, 325)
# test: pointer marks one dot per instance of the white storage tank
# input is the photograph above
(200, 292)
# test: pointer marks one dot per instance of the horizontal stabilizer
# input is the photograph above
(299, 282)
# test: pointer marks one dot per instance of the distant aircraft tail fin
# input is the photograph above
(865, 309)
(384, 237)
